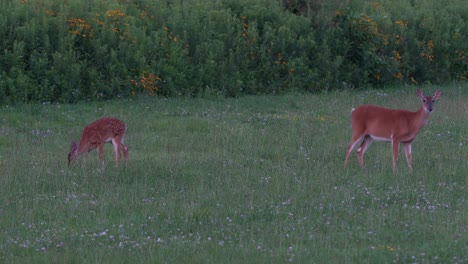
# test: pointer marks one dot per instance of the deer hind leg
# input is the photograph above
(408, 155)
(354, 141)
(125, 152)
(362, 149)
(117, 149)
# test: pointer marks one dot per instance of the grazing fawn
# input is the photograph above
(370, 122)
(96, 134)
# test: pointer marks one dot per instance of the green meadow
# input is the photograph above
(255, 179)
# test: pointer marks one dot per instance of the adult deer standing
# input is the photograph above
(96, 134)
(370, 122)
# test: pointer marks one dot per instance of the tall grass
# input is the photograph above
(254, 179)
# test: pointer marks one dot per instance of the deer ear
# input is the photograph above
(420, 94)
(437, 94)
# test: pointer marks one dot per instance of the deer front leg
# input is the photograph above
(395, 147)
(407, 147)
(101, 153)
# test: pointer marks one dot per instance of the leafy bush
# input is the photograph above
(88, 50)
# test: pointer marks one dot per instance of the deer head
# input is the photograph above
(428, 101)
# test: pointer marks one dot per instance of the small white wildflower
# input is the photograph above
(103, 233)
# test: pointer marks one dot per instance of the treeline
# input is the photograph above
(67, 51)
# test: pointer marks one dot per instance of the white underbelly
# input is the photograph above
(380, 138)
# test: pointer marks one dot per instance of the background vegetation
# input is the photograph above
(256, 179)
(67, 51)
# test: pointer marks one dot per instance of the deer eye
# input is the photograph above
(424, 100)
(433, 101)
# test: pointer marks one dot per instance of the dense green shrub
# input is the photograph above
(76, 50)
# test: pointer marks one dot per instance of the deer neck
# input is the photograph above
(82, 147)
(422, 115)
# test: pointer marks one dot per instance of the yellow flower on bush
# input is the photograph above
(148, 81)
(401, 23)
(396, 56)
(79, 27)
(398, 76)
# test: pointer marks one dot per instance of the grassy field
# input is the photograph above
(250, 180)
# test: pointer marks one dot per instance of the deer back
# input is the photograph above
(101, 131)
